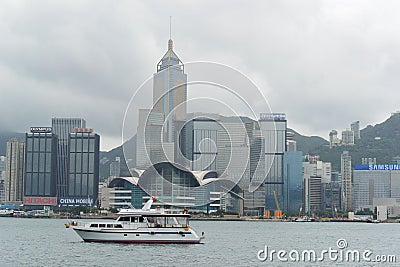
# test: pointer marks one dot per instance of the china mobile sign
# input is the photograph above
(76, 201)
(49, 201)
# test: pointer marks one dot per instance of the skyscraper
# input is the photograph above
(273, 128)
(83, 177)
(347, 186)
(2, 175)
(170, 91)
(62, 127)
(15, 166)
(355, 127)
(40, 167)
(293, 181)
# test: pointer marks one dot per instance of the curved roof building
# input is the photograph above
(175, 185)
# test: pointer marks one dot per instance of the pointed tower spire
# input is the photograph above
(170, 59)
(170, 43)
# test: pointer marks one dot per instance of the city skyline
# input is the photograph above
(81, 59)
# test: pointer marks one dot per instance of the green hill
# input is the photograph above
(381, 141)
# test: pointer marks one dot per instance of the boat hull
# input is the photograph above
(153, 236)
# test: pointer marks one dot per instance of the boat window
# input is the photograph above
(118, 226)
(94, 225)
(102, 225)
(134, 219)
(124, 219)
(150, 219)
(109, 226)
(140, 219)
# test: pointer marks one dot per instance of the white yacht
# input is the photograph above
(143, 226)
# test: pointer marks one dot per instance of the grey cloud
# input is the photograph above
(324, 63)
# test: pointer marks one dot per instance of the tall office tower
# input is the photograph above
(348, 137)
(2, 175)
(355, 127)
(170, 92)
(293, 181)
(234, 150)
(83, 177)
(254, 195)
(15, 166)
(312, 194)
(62, 127)
(150, 148)
(41, 165)
(333, 139)
(273, 128)
(115, 167)
(347, 186)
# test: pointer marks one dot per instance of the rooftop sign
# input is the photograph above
(377, 167)
(41, 129)
(83, 130)
(272, 116)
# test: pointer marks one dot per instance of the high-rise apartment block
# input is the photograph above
(348, 137)
(2, 175)
(115, 167)
(347, 185)
(14, 171)
(355, 127)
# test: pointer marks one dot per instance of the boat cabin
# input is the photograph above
(157, 220)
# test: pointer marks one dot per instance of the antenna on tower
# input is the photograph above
(170, 23)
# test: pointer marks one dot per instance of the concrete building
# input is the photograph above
(333, 139)
(355, 127)
(347, 183)
(375, 181)
(347, 137)
(115, 167)
(291, 144)
(14, 171)
(368, 161)
(2, 176)
(312, 194)
(315, 167)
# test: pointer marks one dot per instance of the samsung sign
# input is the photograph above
(378, 167)
(75, 201)
(41, 129)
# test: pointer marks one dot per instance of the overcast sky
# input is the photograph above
(324, 63)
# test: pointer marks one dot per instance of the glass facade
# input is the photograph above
(41, 164)
(83, 165)
(62, 127)
(274, 133)
(293, 181)
(201, 144)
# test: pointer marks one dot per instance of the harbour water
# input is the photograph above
(46, 242)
